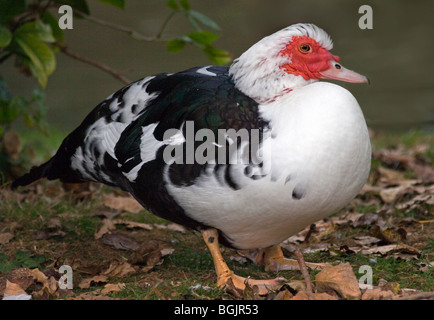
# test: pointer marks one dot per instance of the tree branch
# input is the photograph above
(94, 63)
(165, 23)
(134, 34)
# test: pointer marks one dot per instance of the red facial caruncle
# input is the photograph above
(307, 56)
(312, 61)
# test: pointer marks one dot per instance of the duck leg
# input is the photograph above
(224, 273)
(273, 260)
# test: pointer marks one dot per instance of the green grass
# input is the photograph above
(408, 140)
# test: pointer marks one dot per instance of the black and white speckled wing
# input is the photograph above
(204, 98)
(121, 142)
(88, 152)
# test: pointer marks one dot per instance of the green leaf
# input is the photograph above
(203, 37)
(39, 58)
(38, 73)
(29, 120)
(12, 110)
(6, 266)
(39, 53)
(16, 106)
(218, 56)
(80, 5)
(42, 58)
(116, 3)
(172, 4)
(175, 45)
(35, 29)
(5, 36)
(28, 260)
(9, 9)
(185, 4)
(199, 17)
(53, 22)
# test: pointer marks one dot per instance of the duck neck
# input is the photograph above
(263, 80)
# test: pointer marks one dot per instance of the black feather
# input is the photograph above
(211, 102)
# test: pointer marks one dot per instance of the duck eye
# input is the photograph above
(305, 48)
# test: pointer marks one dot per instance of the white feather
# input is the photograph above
(257, 71)
(205, 71)
(320, 141)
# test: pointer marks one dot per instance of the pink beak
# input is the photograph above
(338, 72)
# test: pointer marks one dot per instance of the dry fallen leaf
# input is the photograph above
(120, 270)
(370, 189)
(49, 284)
(92, 296)
(317, 247)
(86, 283)
(233, 290)
(50, 287)
(392, 286)
(392, 248)
(252, 293)
(5, 237)
(389, 195)
(366, 240)
(425, 266)
(383, 250)
(167, 251)
(133, 224)
(107, 226)
(396, 159)
(324, 296)
(283, 295)
(418, 203)
(110, 224)
(24, 278)
(377, 294)
(113, 287)
(339, 278)
(390, 176)
(366, 219)
(13, 289)
(388, 235)
(20, 276)
(352, 217)
(149, 255)
(296, 285)
(301, 295)
(120, 241)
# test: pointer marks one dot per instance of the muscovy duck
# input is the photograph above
(248, 154)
